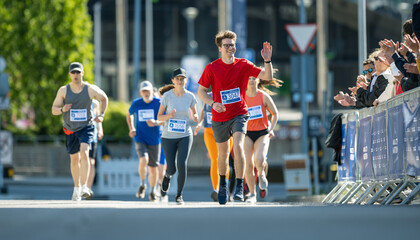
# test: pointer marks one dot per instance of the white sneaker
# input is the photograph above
(262, 180)
(164, 199)
(251, 199)
(76, 196)
(86, 193)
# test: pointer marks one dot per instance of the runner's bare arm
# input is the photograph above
(164, 117)
(194, 113)
(202, 94)
(57, 106)
(272, 108)
(98, 94)
(200, 122)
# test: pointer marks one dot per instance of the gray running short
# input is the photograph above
(224, 130)
(152, 150)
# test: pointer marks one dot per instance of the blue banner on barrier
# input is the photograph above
(350, 151)
(412, 134)
(342, 169)
(379, 148)
(396, 142)
(364, 149)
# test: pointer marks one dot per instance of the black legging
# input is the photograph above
(179, 149)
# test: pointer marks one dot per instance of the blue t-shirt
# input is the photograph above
(142, 112)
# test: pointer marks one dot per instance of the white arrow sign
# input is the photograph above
(301, 34)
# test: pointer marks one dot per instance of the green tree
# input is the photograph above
(39, 39)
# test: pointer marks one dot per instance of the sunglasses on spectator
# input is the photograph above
(75, 72)
(366, 71)
(227, 46)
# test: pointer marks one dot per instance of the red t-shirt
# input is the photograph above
(228, 83)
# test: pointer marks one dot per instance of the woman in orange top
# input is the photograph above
(259, 131)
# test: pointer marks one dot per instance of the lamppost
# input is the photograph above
(190, 14)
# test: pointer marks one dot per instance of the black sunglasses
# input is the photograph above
(227, 46)
(75, 72)
(366, 71)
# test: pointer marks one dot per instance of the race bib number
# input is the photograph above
(78, 115)
(176, 125)
(209, 118)
(255, 112)
(146, 114)
(230, 96)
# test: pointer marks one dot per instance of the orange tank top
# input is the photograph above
(257, 112)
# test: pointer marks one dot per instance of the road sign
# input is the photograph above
(301, 34)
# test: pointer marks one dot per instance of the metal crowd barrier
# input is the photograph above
(380, 158)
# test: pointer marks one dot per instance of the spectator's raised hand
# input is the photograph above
(363, 85)
(411, 43)
(403, 49)
(361, 78)
(348, 101)
(353, 90)
(388, 46)
(339, 96)
(411, 68)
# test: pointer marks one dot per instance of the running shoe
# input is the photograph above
(86, 193)
(141, 192)
(179, 199)
(263, 193)
(239, 193)
(262, 180)
(165, 184)
(214, 195)
(76, 196)
(164, 199)
(252, 198)
(223, 194)
(90, 197)
(152, 197)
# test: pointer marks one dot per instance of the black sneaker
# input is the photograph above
(141, 192)
(152, 197)
(165, 184)
(239, 193)
(223, 194)
(179, 199)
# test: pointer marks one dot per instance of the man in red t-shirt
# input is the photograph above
(228, 79)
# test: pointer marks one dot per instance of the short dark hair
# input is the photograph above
(224, 34)
(408, 27)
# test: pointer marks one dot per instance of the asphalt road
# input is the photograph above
(41, 209)
(107, 219)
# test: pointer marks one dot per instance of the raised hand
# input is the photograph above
(267, 51)
(411, 68)
(411, 43)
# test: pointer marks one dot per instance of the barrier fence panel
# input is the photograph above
(380, 152)
(412, 142)
(364, 149)
(396, 142)
(379, 149)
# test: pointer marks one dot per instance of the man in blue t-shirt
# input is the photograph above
(144, 127)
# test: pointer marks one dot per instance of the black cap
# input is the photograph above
(179, 72)
(76, 66)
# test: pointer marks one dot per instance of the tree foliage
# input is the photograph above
(39, 39)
